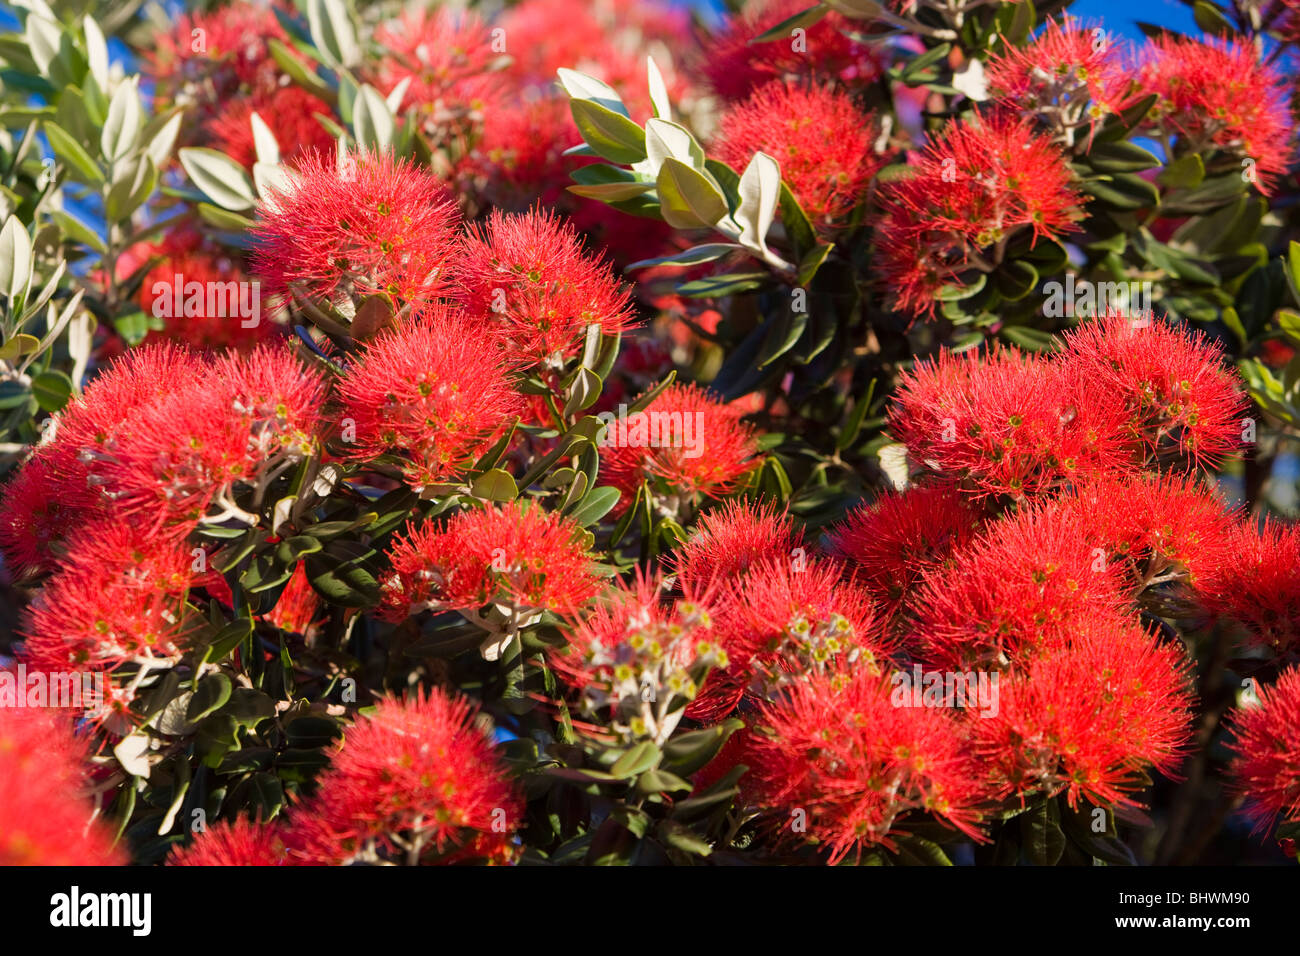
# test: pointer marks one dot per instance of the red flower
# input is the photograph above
(1087, 716)
(1219, 95)
(448, 55)
(379, 226)
(518, 554)
(897, 539)
(821, 139)
(116, 597)
(782, 620)
(1266, 763)
(635, 655)
(1255, 580)
(1155, 527)
(734, 64)
(432, 392)
(1027, 580)
(974, 186)
(529, 280)
(837, 757)
(242, 843)
(732, 538)
(1178, 398)
(1006, 423)
(689, 441)
(289, 111)
(299, 607)
(1071, 74)
(416, 781)
(43, 822)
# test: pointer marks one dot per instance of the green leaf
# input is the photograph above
(595, 505)
(760, 192)
(495, 484)
(583, 391)
(121, 130)
(1187, 172)
(801, 20)
(687, 199)
(227, 639)
(52, 389)
(611, 192)
(1040, 829)
(78, 231)
(1121, 157)
(219, 177)
(1124, 191)
(685, 753)
(72, 153)
(813, 261)
(1211, 19)
(706, 252)
(342, 572)
(636, 760)
(333, 32)
(580, 86)
(730, 283)
(611, 135)
(372, 121)
(298, 71)
(211, 694)
(15, 260)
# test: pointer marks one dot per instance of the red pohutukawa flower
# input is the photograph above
(116, 597)
(1254, 579)
(821, 139)
(783, 619)
(1178, 398)
(1006, 423)
(242, 843)
(1023, 583)
(432, 392)
(685, 440)
(900, 537)
(836, 756)
(1266, 765)
(1088, 716)
(43, 820)
(445, 56)
(1071, 75)
(1219, 95)
(971, 189)
(639, 659)
(288, 111)
(418, 781)
(527, 278)
(517, 554)
(369, 224)
(734, 64)
(1157, 528)
(732, 538)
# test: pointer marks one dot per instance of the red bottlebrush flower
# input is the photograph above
(607, 39)
(1177, 396)
(116, 597)
(289, 111)
(1023, 583)
(1006, 423)
(210, 56)
(1266, 764)
(1255, 580)
(1219, 95)
(277, 400)
(40, 506)
(1155, 527)
(783, 620)
(899, 538)
(448, 55)
(1087, 716)
(433, 392)
(417, 781)
(379, 226)
(635, 654)
(689, 441)
(818, 135)
(43, 822)
(735, 65)
(973, 187)
(730, 539)
(518, 554)
(242, 843)
(201, 295)
(520, 153)
(837, 756)
(1072, 74)
(299, 606)
(529, 280)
